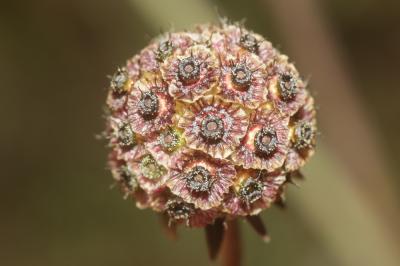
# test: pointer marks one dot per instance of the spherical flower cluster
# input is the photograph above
(209, 124)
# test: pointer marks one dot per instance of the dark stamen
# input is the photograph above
(150, 169)
(304, 136)
(199, 179)
(179, 210)
(148, 105)
(287, 87)
(119, 81)
(241, 76)
(126, 136)
(265, 141)
(212, 128)
(128, 178)
(169, 140)
(189, 70)
(249, 42)
(251, 190)
(164, 50)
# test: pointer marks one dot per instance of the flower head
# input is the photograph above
(151, 175)
(165, 145)
(214, 126)
(287, 90)
(253, 191)
(200, 179)
(127, 144)
(164, 47)
(238, 38)
(126, 177)
(243, 79)
(120, 85)
(191, 74)
(209, 125)
(123, 174)
(265, 144)
(150, 108)
(180, 211)
(303, 128)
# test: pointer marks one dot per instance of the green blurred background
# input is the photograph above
(56, 205)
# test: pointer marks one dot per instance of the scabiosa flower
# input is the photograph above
(151, 175)
(287, 90)
(123, 174)
(165, 145)
(256, 44)
(180, 211)
(303, 129)
(253, 191)
(149, 106)
(266, 142)
(156, 53)
(126, 177)
(126, 143)
(243, 79)
(120, 85)
(191, 74)
(209, 126)
(239, 37)
(120, 81)
(200, 179)
(214, 126)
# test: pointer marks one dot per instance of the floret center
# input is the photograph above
(126, 136)
(304, 135)
(212, 125)
(164, 50)
(148, 105)
(119, 80)
(189, 70)
(150, 169)
(199, 179)
(251, 190)
(249, 42)
(241, 76)
(287, 87)
(178, 210)
(212, 128)
(169, 140)
(265, 141)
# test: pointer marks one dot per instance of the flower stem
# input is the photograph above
(231, 248)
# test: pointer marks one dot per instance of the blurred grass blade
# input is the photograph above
(341, 217)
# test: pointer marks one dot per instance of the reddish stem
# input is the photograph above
(231, 249)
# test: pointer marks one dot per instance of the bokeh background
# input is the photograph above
(56, 207)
